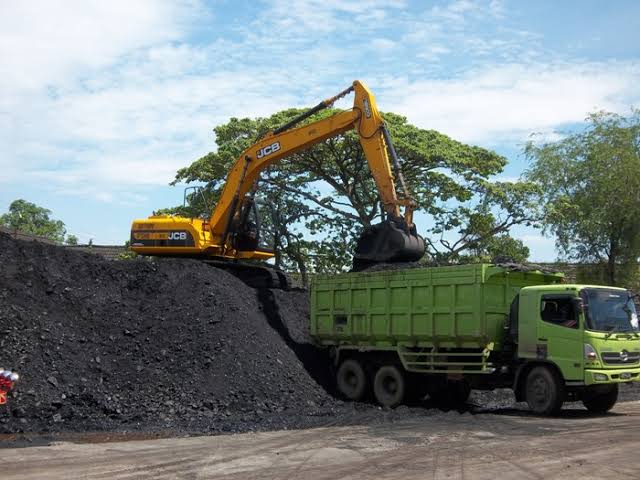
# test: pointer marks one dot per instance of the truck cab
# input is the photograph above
(575, 342)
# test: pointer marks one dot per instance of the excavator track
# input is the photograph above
(254, 275)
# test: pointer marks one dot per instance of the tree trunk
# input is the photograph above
(277, 249)
(610, 271)
(302, 268)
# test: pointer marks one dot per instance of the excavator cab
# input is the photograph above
(196, 199)
(248, 234)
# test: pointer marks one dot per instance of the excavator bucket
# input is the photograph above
(390, 241)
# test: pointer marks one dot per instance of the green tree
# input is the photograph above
(29, 218)
(332, 192)
(591, 193)
(71, 240)
(497, 249)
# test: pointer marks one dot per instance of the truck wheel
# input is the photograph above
(601, 401)
(389, 386)
(544, 391)
(351, 380)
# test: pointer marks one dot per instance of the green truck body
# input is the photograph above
(444, 330)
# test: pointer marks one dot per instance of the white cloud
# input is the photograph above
(99, 92)
(383, 44)
(104, 197)
(497, 8)
(325, 15)
(432, 52)
(458, 14)
(138, 134)
(46, 43)
(62, 103)
(499, 103)
(455, 11)
(461, 29)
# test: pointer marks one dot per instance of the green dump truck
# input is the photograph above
(403, 334)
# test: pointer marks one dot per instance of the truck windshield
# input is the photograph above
(609, 310)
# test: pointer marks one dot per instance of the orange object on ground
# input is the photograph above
(8, 380)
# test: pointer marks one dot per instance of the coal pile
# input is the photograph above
(139, 344)
(166, 345)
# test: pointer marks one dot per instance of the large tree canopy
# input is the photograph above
(319, 199)
(27, 217)
(591, 192)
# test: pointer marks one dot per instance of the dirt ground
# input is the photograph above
(505, 444)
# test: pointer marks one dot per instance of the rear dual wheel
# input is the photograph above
(389, 386)
(351, 380)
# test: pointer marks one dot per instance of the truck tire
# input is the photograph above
(544, 391)
(389, 386)
(601, 401)
(351, 380)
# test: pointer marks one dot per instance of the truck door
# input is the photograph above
(560, 334)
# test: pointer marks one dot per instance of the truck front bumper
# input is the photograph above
(619, 375)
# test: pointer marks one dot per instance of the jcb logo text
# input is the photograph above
(268, 150)
(178, 236)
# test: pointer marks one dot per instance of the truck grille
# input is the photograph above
(620, 358)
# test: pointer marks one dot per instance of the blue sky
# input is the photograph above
(101, 102)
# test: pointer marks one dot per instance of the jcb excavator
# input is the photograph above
(230, 237)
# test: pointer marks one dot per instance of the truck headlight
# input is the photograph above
(590, 353)
(600, 377)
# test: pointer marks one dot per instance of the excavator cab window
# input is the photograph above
(266, 239)
(249, 236)
(196, 201)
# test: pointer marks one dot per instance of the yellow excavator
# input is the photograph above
(230, 237)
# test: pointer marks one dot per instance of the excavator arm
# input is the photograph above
(393, 240)
(286, 140)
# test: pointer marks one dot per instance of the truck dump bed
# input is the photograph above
(462, 306)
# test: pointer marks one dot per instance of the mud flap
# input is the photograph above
(390, 241)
